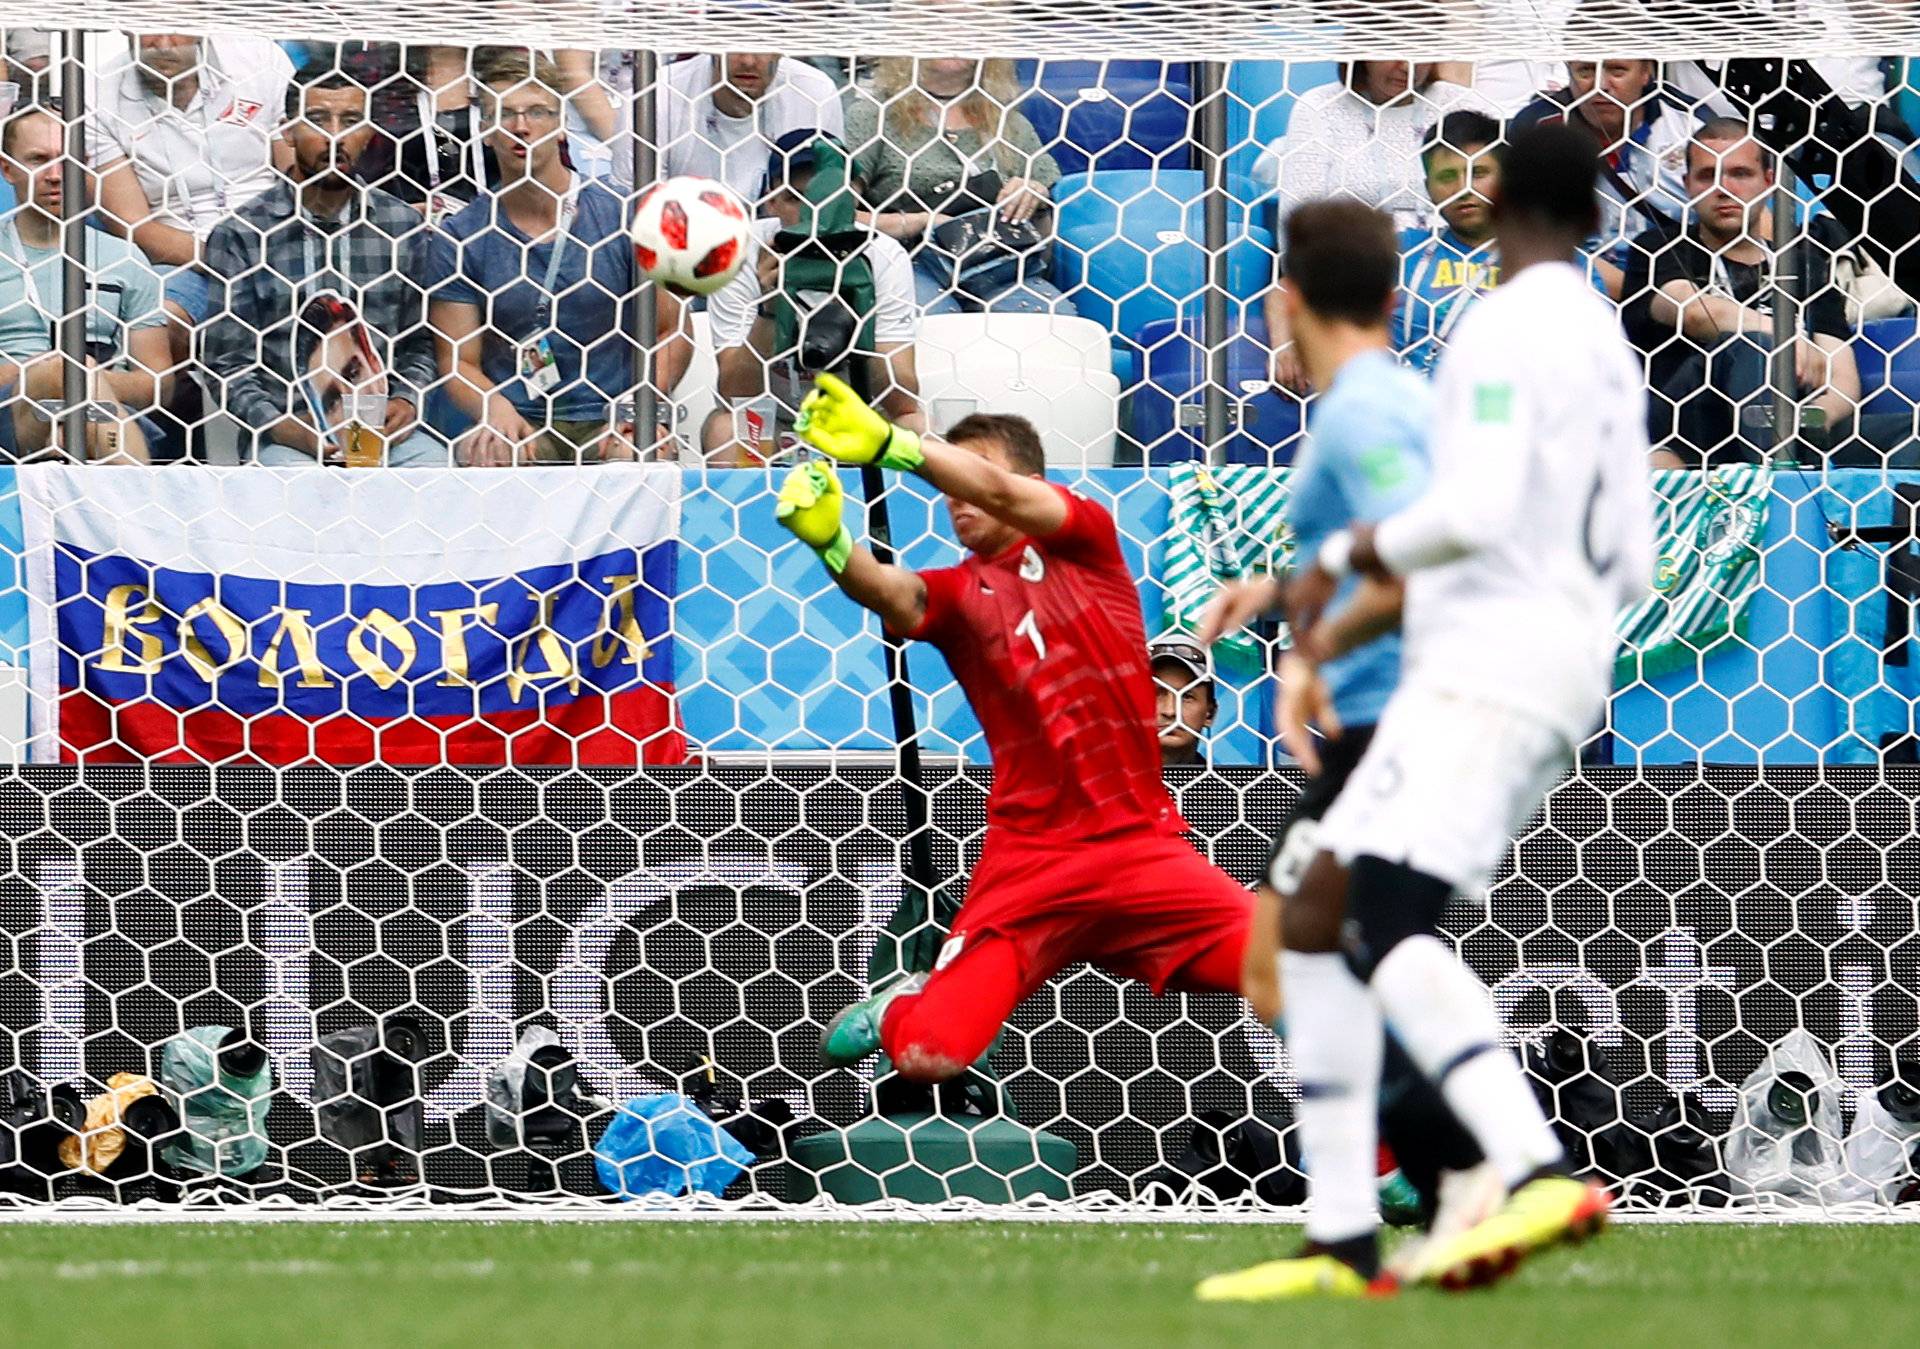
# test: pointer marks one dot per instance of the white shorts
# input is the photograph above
(1444, 786)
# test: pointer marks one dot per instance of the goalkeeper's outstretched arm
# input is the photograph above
(809, 506)
(899, 596)
(835, 421)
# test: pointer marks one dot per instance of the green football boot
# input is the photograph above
(855, 1033)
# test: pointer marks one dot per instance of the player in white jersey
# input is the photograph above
(1535, 531)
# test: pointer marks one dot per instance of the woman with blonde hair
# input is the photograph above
(953, 170)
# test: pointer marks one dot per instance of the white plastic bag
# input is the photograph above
(1878, 1151)
(1786, 1142)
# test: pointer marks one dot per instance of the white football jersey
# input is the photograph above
(1537, 527)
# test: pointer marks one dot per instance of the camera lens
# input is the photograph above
(1902, 1101)
(66, 1107)
(403, 1038)
(239, 1056)
(1789, 1099)
(150, 1118)
(1566, 1054)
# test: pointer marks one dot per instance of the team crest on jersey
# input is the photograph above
(1031, 566)
(950, 950)
(241, 111)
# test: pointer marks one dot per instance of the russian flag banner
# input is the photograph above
(424, 616)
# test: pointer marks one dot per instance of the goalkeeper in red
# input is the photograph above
(1084, 856)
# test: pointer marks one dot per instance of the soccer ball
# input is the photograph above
(691, 235)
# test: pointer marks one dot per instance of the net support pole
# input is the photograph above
(73, 246)
(646, 167)
(1210, 87)
(1786, 315)
(917, 858)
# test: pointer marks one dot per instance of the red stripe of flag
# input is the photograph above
(634, 727)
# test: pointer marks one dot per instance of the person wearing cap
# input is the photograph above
(759, 388)
(1185, 702)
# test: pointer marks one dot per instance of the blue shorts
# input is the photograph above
(189, 288)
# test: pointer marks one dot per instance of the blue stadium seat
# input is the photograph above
(1129, 248)
(1111, 114)
(1889, 358)
(1176, 365)
(1260, 102)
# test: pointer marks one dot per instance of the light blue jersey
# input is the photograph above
(123, 294)
(1442, 276)
(1366, 458)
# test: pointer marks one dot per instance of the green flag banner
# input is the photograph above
(1226, 522)
(1708, 528)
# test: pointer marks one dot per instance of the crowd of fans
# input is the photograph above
(420, 254)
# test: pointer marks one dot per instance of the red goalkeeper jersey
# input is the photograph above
(1047, 642)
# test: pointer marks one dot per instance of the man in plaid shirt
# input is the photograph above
(322, 295)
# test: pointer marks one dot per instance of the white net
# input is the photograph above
(1535, 30)
(499, 812)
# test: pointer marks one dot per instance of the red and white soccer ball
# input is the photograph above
(691, 234)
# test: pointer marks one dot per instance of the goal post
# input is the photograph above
(442, 834)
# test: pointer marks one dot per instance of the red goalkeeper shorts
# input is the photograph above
(1145, 906)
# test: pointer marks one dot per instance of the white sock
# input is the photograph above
(1443, 1017)
(1335, 1037)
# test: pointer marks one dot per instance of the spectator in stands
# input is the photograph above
(1701, 305)
(758, 384)
(181, 131)
(938, 140)
(1361, 137)
(319, 235)
(531, 287)
(1358, 138)
(428, 150)
(595, 122)
(720, 116)
(1443, 270)
(1860, 81)
(1643, 129)
(1185, 702)
(126, 327)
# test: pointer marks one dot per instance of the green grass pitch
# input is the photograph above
(776, 1285)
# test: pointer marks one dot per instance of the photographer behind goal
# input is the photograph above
(822, 293)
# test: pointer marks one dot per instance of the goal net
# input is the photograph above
(435, 778)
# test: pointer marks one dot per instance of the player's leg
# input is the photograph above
(934, 1026)
(1005, 943)
(1334, 1032)
(938, 1032)
(1342, 1081)
(1428, 814)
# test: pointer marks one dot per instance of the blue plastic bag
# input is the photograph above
(666, 1145)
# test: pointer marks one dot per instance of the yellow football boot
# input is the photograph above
(1543, 1212)
(1310, 1275)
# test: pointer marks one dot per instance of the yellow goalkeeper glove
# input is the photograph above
(809, 506)
(835, 421)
